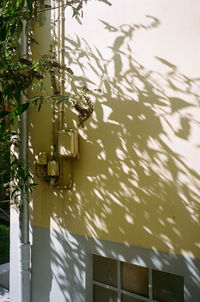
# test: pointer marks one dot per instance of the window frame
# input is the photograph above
(119, 289)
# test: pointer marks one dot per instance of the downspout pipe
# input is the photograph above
(24, 246)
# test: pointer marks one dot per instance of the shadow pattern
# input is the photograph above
(137, 181)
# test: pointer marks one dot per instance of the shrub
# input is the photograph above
(4, 244)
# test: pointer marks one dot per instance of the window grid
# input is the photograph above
(150, 284)
(121, 291)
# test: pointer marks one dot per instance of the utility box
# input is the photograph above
(53, 168)
(41, 158)
(68, 143)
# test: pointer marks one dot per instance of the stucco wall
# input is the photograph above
(137, 179)
(62, 265)
(136, 184)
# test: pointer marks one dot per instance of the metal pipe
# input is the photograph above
(61, 81)
(55, 110)
(24, 208)
(62, 61)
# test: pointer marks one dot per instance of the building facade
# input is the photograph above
(128, 228)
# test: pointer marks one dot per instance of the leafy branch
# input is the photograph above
(17, 76)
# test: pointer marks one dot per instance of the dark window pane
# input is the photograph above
(135, 279)
(101, 294)
(105, 270)
(167, 287)
(126, 298)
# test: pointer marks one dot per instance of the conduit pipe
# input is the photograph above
(61, 60)
(24, 247)
(62, 63)
(61, 38)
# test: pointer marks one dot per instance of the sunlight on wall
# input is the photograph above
(137, 179)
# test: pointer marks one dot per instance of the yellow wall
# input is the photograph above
(137, 179)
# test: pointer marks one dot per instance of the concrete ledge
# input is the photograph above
(4, 275)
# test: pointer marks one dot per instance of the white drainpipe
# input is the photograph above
(24, 247)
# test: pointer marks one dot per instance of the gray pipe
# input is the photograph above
(24, 247)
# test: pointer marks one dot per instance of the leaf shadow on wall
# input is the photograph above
(132, 184)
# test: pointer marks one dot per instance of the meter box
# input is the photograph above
(41, 158)
(68, 143)
(53, 168)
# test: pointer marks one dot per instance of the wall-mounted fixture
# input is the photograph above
(68, 143)
(57, 169)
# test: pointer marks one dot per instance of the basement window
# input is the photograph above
(116, 281)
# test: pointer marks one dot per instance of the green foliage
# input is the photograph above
(17, 75)
(4, 244)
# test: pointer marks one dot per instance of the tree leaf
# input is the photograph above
(1, 97)
(2, 128)
(18, 93)
(77, 9)
(19, 110)
(3, 113)
(3, 33)
(30, 7)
